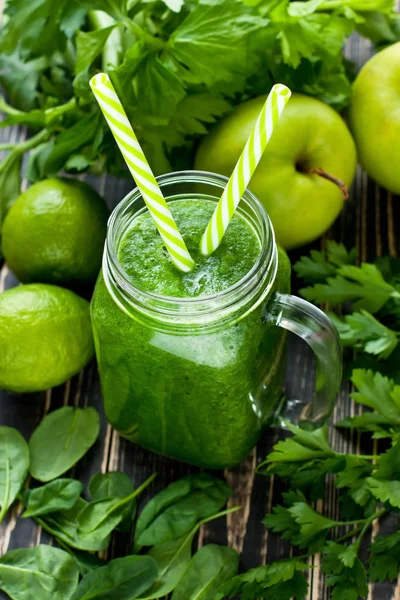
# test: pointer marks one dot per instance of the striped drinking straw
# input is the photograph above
(133, 154)
(244, 169)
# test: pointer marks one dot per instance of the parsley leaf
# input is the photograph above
(311, 522)
(320, 265)
(385, 557)
(382, 395)
(385, 482)
(385, 491)
(364, 286)
(304, 445)
(281, 580)
(364, 332)
(299, 523)
(347, 582)
(378, 392)
(304, 459)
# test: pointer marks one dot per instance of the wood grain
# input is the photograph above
(370, 222)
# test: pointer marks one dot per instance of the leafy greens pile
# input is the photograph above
(178, 65)
(161, 559)
(367, 485)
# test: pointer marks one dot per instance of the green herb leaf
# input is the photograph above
(14, 466)
(320, 265)
(83, 132)
(314, 268)
(385, 557)
(364, 286)
(210, 567)
(378, 392)
(385, 491)
(203, 41)
(348, 583)
(311, 522)
(299, 523)
(99, 518)
(43, 572)
(60, 494)
(362, 331)
(61, 439)
(20, 79)
(309, 476)
(304, 445)
(355, 468)
(370, 421)
(122, 579)
(89, 44)
(175, 510)
(281, 580)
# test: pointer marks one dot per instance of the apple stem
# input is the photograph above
(325, 175)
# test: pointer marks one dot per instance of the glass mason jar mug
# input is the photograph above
(197, 379)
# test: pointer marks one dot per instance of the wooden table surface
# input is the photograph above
(371, 223)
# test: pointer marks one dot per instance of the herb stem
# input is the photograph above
(31, 142)
(330, 5)
(368, 524)
(6, 146)
(348, 535)
(223, 513)
(367, 456)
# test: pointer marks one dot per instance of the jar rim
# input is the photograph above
(185, 307)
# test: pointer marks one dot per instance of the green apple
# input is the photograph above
(303, 176)
(374, 117)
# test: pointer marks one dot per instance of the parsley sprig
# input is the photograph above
(366, 301)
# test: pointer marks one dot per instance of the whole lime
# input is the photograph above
(45, 337)
(55, 232)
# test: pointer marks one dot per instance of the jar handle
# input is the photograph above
(314, 327)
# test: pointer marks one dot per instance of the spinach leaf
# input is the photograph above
(109, 485)
(85, 561)
(61, 439)
(208, 570)
(122, 579)
(60, 494)
(100, 517)
(63, 525)
(175, 510)
(173, 558)
(14, 466)
(44, 572)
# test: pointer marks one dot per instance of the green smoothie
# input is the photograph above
(203, 396)
(143, 256)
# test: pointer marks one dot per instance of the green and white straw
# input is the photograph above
(244, 169)
(133, 154)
